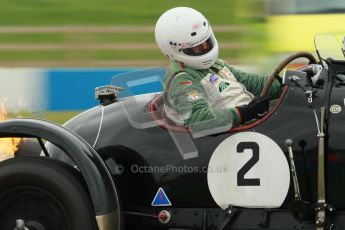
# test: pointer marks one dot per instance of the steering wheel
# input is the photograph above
(282, 65)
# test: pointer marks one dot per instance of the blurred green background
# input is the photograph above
(110, 12)
(119, 33)
(114, 33)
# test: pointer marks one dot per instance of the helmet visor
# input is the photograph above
(201, 49)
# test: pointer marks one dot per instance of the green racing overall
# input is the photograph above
(208, 98)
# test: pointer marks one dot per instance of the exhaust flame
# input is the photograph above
(8, 146)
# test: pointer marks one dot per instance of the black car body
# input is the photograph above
(148, 156)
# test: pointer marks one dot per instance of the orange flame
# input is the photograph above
(8, 146)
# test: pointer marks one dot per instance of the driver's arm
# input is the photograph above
(188, 98)
(254, 83)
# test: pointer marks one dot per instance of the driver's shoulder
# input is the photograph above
(182, 78)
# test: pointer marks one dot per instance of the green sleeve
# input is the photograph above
(188, 98)
(254, 83)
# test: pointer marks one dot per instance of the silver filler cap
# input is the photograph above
(107, 94)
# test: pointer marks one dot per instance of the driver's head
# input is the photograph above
(185, 35)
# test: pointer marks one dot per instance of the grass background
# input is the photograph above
(13, 13)
(111, 12)
(248, 15)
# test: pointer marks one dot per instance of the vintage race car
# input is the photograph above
(125, 165)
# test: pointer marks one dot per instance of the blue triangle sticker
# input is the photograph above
(161, 199)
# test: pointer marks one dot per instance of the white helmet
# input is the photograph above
(180, 32)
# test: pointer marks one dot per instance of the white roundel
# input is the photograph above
(335, 109)
(250, 170)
